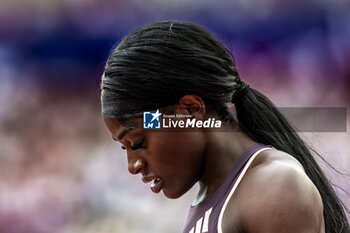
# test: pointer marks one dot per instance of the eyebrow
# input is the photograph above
(129, 127)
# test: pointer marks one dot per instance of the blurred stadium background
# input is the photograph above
(60, 171)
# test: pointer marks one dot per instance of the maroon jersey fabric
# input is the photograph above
(204, 217)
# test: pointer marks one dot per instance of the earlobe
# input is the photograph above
(194, 105)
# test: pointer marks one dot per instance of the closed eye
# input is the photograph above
(138, 145)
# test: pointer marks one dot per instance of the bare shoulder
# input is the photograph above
(275, 195)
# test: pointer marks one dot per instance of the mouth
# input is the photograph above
(157, 183)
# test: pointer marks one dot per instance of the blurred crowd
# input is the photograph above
(61, 172)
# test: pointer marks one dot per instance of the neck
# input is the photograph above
(222, 154)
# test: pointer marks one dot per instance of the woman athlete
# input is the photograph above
(255, 173)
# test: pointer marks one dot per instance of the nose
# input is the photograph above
(136, 165)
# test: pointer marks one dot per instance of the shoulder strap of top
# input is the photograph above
(236, 185)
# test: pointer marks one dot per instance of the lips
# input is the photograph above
(157, 183)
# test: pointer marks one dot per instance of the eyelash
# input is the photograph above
(138, 145)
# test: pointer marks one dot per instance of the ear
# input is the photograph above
(194, 105)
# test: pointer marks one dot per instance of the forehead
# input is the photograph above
(112, 123)
(119, 127)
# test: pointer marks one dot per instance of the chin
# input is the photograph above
(174, 194)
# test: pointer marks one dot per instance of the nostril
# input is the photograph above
(138, 171)
(136, 166)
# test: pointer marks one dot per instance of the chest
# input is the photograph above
(209, 220)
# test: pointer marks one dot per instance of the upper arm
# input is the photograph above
(278, 197)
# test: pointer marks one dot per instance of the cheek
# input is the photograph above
(178, 158)
(183, 149)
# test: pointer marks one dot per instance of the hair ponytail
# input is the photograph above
(264, 123)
